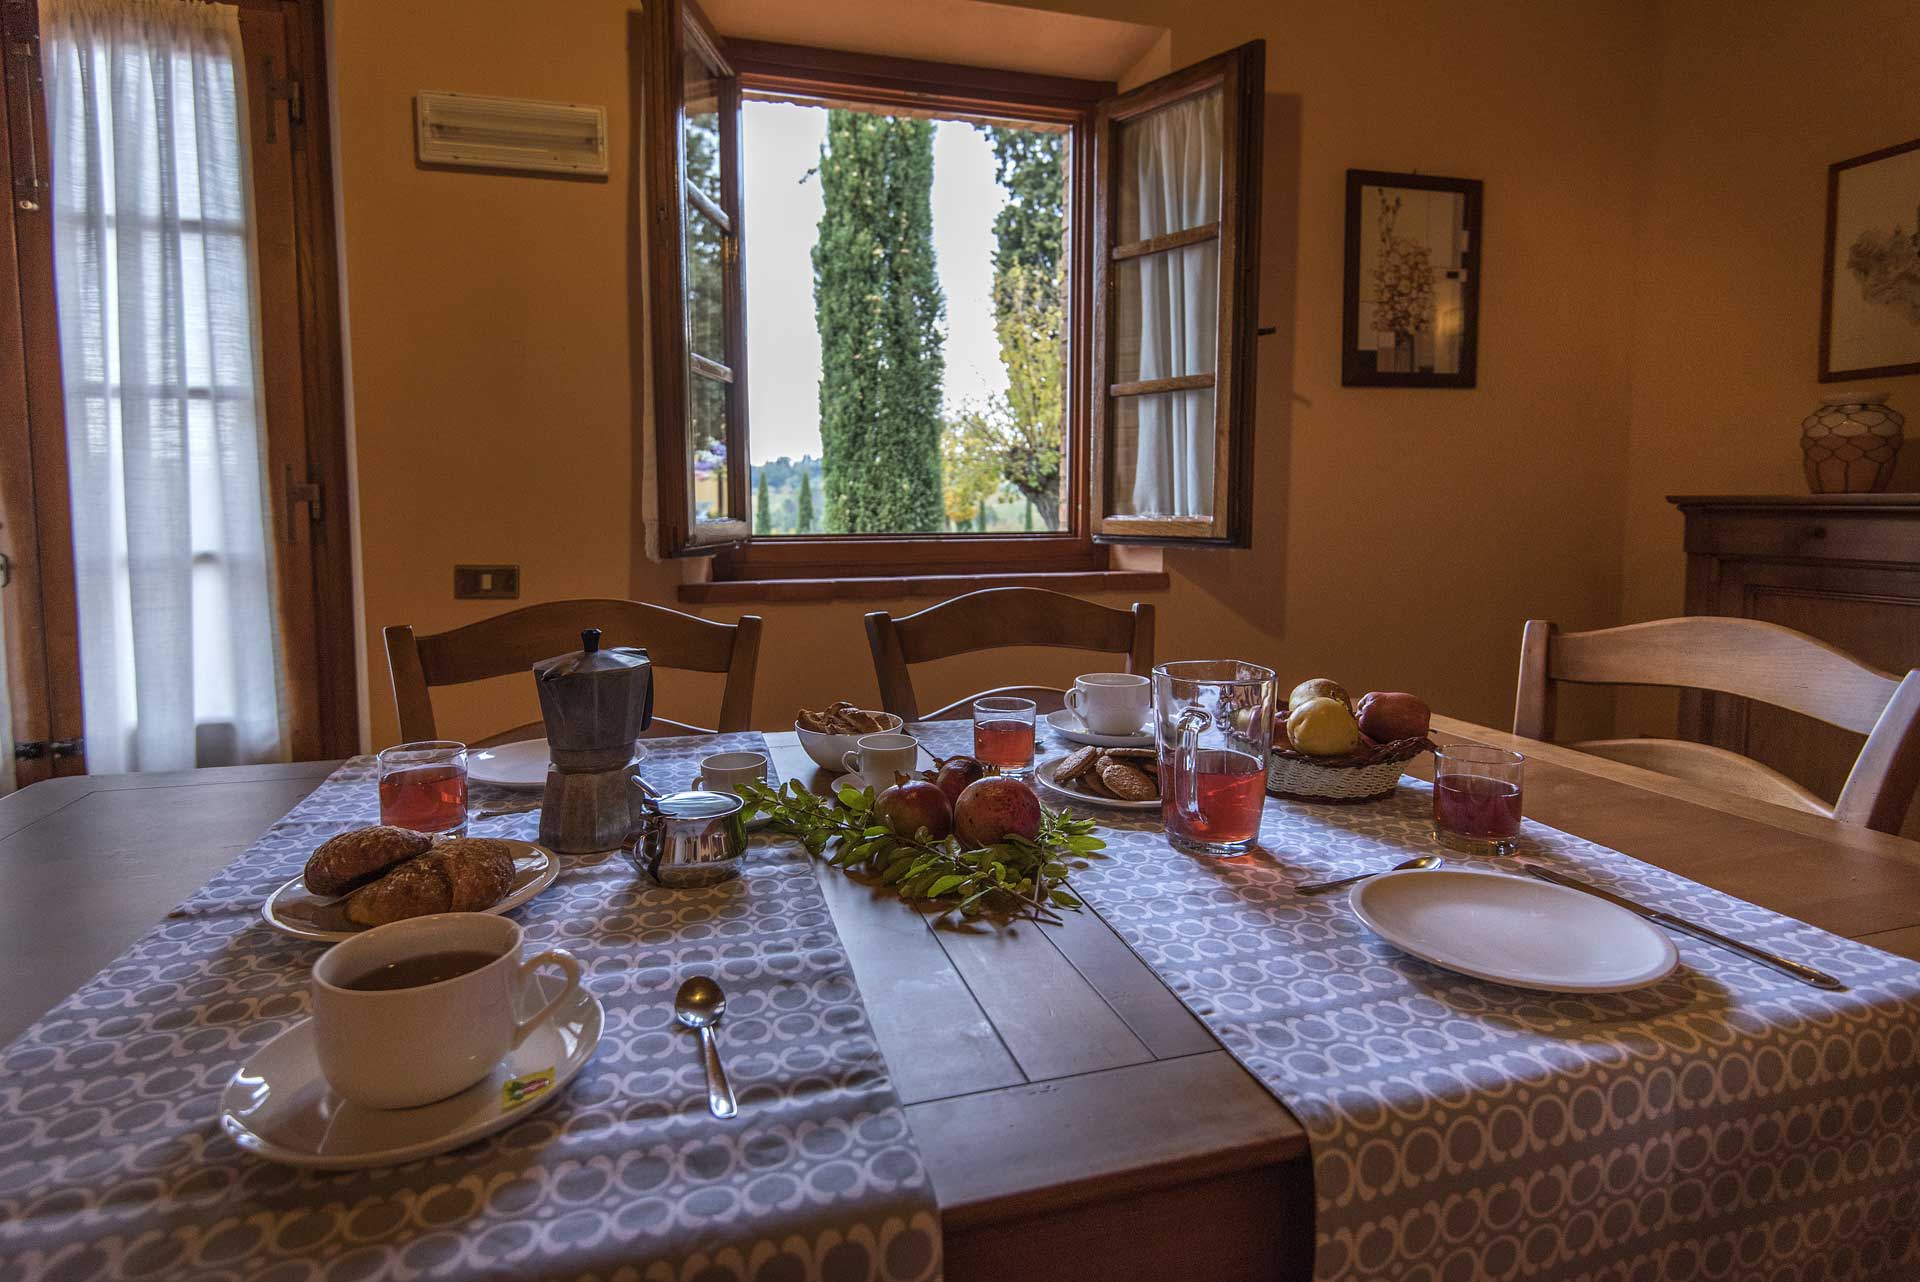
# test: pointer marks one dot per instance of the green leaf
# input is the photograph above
(944, 884)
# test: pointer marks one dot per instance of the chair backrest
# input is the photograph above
(993, 618)
(515, 641)
(1749, 659)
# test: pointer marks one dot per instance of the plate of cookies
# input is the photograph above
(1121, 778)
(369, 877)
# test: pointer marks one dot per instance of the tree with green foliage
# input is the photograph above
(763, 508)
(879, 308)
(1020, 434)
(803, 521)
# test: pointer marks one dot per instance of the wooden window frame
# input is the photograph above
(672, 26)
(1239, 74)
(827, 77)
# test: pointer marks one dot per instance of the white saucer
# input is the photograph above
(296, 911)
(510, 765)
(1044, 776)
(1515, 930)
(1070, 726)
(851, 781)
(280, 1108)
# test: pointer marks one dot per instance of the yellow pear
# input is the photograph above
(1318, 688)
(1323, 728)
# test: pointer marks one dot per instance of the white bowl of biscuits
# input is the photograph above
(1123, 778)
(830, 734)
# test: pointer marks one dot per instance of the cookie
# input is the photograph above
(1134, 754)
(1090, 784)
(1075, 765)
(1127, 783)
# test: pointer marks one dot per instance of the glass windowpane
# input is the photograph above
(707, 442)
(702, 131)
(706, 287)
(1162, 457)
(1166, 314)
(1170, 168)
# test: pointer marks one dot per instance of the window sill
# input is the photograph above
(893, 587)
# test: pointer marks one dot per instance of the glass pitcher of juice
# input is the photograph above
(1213, 721)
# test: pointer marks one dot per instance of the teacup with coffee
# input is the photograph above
(413, 1012)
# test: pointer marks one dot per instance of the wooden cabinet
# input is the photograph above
(1841, 567)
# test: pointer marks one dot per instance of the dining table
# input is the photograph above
(1076, 1119)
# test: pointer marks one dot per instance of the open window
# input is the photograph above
(1177, 226)
(1111, 309)
(698, 321)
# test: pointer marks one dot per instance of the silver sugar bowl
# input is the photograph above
(688, 838)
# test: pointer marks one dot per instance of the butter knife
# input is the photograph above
(1805, 974)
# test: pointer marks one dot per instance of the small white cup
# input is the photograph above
(403, 1047)
(877, 758)
(1111, 703)
(726, 771)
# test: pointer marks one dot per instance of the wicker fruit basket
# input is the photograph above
(1367, 774)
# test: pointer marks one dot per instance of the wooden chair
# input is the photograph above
(515, 641)
(993, 618)
(1748, 659)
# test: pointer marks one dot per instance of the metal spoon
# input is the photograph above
(1322, 887)
(699, 1005)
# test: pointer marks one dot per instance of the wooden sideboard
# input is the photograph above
(1841, 567)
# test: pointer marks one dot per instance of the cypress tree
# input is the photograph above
(804, 519)
(763, 508)
(879, 309)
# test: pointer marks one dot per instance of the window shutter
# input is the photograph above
(1176, 229)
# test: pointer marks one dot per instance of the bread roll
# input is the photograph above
(463, 875)
(355, 858)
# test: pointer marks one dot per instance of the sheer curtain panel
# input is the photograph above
(154, 264)
(1176, 170)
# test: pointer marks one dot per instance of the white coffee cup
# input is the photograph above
(1111, 703)
(726, 771)
(403, 1047)
(877, 758)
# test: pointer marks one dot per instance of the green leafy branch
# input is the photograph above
(1015, 877)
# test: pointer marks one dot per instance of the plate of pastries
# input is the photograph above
(368, 877)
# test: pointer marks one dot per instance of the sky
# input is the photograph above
(780, 142)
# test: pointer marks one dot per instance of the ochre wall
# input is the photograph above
(1401, 537)
(1727, 283)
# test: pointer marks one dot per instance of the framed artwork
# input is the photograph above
(1870, 300)
(1412, 300)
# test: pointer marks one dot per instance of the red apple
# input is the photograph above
(955, 773)
(994, 809)
(1389, 715)
(908, 807)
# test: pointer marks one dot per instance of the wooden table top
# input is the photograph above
(1062, 1096)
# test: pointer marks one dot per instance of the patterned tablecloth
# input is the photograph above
(113, 1165)
(1727, 1123)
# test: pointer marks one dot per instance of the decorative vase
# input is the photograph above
(1850, 443)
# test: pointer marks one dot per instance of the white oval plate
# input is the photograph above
(1044, 776)
(279, 1107)
(296, 911)
(510, 765)
(1515, 930)
(1070, 726)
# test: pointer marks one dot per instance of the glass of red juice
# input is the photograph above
(1476, 798)
(1003, 733)
(423, 786)
(1213, 721)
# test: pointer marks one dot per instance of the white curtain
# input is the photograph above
(154, 264)
(1176, 170)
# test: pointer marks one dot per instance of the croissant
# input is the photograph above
(464, 875)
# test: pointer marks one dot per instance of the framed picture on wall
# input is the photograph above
(1412, 299)
(1870, 301)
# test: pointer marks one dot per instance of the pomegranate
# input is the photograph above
(908, 807)
(955, 773)
(994, 809)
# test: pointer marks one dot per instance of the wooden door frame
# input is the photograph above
(44, 631)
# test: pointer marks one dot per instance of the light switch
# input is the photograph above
(486, 582)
